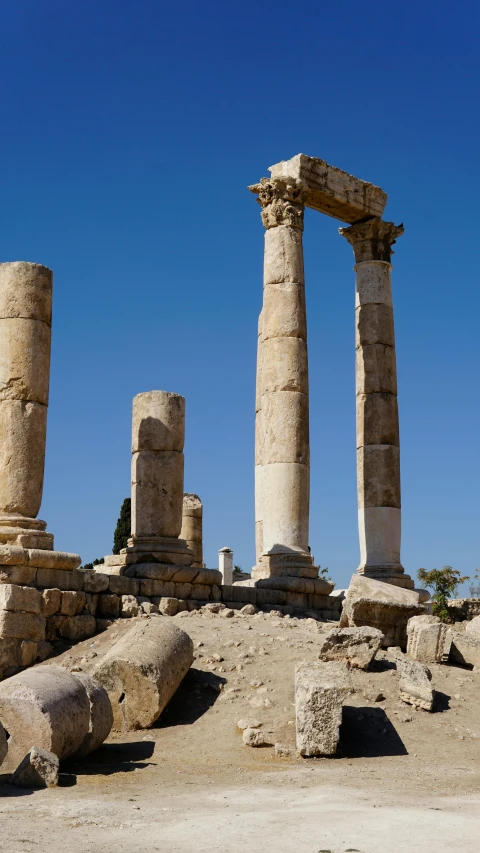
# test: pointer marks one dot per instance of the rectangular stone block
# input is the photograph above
(13, 597)
(207, 577)
(271, 596)
(164, 589)
(94, 582)
(200, 592)
(78, 627)
(465, 649)
(298, 599)
(320, 690)
(9, 653)
(72, 603)
(426, 638)
(182, 575)
(64, 579)
(51, 601)
(120, 585)
(243, 594)
(12, 555)
(377, 419)
(333, 191)
(23, 626)
(91, 603)
(108, 606)
(42, 559)
(183, 591)
(22, 575)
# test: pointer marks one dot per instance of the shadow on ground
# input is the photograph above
(111, 758)
(368, 733)
(197, 693)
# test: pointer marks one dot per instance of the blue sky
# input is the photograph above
(130, 132)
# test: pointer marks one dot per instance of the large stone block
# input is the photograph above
(21, 575)
(158, 421)
(464, 648)
(380, 605)
(316, 586)
(357, 647)
(45, 706)
(77, 628)
(13, 555)
(23, 626)
(23, 427)
(120, 585)
(283, 257)
(378, 476)
(320, 689)
(26, 291)
(43, 559)
(108, 606)
(63, 579)
(72, 603)
(284, 311)
(426, 638)
(157, 493)
(285, 365)
(150, 588)
(331, 190)
(24, 360)
(13, 597)
(94, 582)
(143, 670)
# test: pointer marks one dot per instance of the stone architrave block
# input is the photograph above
(426, 638)
(22, 625)
(356, 646)
(331, 190)
(415, 683)
(13, 597)
(142, 671)
(380, 605)
(46, 706)
(39, 769)
(320, 690)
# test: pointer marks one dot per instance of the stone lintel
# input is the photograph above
(332, 191)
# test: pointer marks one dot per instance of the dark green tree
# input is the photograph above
(444, 583)
(123, 530)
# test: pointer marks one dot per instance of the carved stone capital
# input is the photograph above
(373, 239)
(282, 201)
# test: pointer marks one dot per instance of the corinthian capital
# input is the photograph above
(373, 239)
(282, 201)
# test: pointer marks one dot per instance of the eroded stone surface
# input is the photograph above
(380, 605)
(415, 683)
(39, 769)
(356, 646)
(320, 689)
(426, 638)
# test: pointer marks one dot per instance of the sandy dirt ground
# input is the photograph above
(403, 780)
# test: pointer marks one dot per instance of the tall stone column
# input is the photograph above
(158, 434)
(25, 332)
(282, 430)
(378, 443)
(192, 528)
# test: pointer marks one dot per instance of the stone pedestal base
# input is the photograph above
(154, 549)
(25, 532)
(393, 574)
(296, 564)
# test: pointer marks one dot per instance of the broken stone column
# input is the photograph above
(225, 565)
(378, 442)
(192, 528)
(320, 689)
(282, 425)
(47, 707)
(143, 670)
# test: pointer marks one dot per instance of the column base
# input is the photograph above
(18, 530)
(152, 549)
(297, 564)
(392, 573)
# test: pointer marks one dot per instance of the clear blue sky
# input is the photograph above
(130, 131)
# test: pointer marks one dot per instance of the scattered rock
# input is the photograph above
(253, 737)
(248, 724)
(249, 610)
(415, 683)
(283, 751)
(356, 646)
(39, 769)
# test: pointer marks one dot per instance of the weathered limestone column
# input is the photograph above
(282, 430)
(25, 332)
(192, 528)
(225, 565)
(378, 443)
(158, 434)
